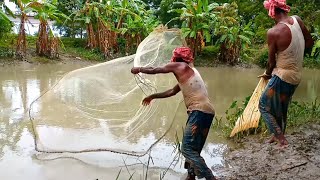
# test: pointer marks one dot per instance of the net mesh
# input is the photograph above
(98, 108)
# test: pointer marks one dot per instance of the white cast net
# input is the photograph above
(98, 108)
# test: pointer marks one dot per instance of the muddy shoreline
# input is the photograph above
(71, 58)
(257, 159)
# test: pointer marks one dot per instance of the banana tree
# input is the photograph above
(198, 20)
(99, 20)
(232, 36)
(21, 48)
(137, 23)
(46, 44)
(136, 28)
(5, 23)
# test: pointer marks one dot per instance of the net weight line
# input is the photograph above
(135, 154)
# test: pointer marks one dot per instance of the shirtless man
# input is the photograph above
(287, 41)
(198, 105)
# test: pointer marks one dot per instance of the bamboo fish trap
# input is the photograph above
(251, 114)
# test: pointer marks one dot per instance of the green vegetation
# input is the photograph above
(219, 31)
(299, 113)
(302, 113)
(71, 46)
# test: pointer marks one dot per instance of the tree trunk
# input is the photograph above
(200, 41)
(21, 42)
(230, 54)
(91, 42)
(42, 42)
(53, 48)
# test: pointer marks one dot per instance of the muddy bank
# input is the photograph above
(260, 160)
(37, 60)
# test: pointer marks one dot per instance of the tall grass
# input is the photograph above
(299, 113)
(302, 113)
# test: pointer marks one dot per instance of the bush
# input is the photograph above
(73, 42)
(208, 56)
(31, 40)
(301, 113)
(262, 58)
(5, 27)
(311, 62)
(6, 52)
(210, 51)
(92, 55)
(316, 50)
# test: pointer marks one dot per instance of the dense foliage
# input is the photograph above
(236, 27)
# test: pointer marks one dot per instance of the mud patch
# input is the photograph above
(260, 160)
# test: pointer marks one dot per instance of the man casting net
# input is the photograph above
(98, 108)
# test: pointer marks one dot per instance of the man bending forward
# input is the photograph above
(198, 105)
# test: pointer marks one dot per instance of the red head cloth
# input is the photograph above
(182, 52)
(271, 5)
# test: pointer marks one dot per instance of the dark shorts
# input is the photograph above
(194, 138)
(274, 103)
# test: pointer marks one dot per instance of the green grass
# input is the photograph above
(311, 62)
(303, 112)
(208, 57)
(92, 55)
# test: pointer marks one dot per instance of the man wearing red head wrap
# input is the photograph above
(287, 41)
(183, 52)
(199, 108)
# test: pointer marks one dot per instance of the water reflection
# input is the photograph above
(20, 85)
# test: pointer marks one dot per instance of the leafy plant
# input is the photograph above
(301, 113)
(47, 44)
(232, 36)
(5, 23)
(316, 50)
(197, 22)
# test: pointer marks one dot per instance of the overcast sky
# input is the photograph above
(11, 5)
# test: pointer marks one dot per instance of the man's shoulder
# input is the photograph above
(278, 30)
(273, 32)
(297, 17)
(178, 64)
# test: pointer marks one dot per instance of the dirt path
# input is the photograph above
(259, 160)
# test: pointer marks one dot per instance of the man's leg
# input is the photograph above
(287, 91)
(195, 134)
(271, 109)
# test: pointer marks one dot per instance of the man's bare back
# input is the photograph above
(280, 34)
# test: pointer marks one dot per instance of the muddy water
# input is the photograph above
(21, 84)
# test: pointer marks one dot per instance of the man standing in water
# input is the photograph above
(199, 108)
(287, 41)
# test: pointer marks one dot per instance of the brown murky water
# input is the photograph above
(21, 84)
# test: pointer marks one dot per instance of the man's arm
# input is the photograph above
(165, 94)
(272, 46)
(307, 36)
(171, 67)
(271, 36)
